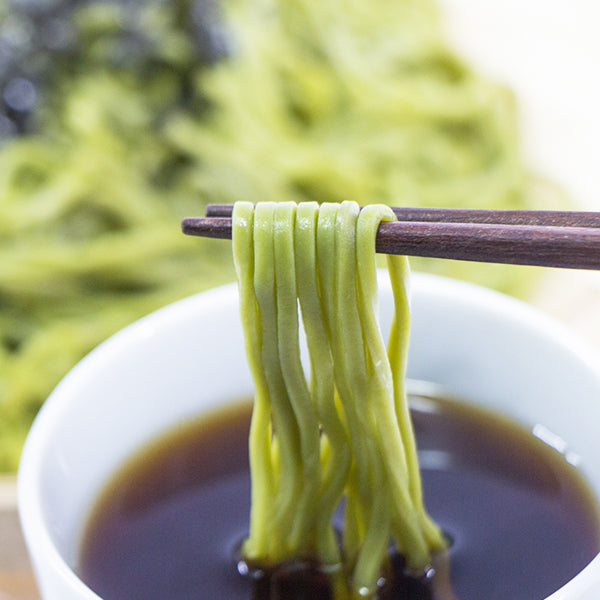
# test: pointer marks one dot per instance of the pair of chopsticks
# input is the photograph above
(567, 239)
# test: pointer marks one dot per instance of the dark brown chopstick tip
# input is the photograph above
(217, 227)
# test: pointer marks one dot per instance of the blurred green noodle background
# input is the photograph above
(287, 100)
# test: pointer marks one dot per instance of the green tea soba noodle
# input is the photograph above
(344, 431)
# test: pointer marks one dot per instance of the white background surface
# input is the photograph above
(548, 53)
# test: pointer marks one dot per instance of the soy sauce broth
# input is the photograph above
(521, 519)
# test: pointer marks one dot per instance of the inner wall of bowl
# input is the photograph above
(190, 357)
(164, 369)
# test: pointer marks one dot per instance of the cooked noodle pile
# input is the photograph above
(319, 101)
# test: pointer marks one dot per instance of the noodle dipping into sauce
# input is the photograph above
(188, 360)
(336, 504)
(521, 520)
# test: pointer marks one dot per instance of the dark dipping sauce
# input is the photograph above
(521, 519)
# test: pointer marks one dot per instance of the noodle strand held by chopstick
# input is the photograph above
(345, 431)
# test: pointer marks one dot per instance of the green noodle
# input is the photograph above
(318, 101)
(347, 432)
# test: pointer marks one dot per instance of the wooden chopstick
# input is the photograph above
(547, 218)
(540, 238)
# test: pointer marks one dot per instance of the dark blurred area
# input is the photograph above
(42, 41)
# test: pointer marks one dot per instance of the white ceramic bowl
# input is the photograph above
(189, 356)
